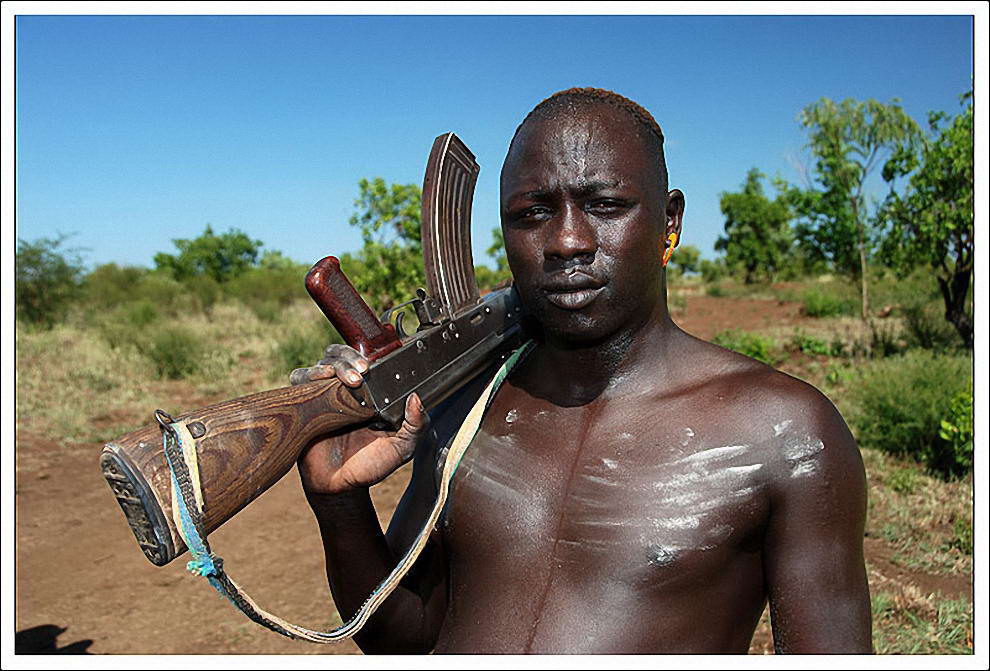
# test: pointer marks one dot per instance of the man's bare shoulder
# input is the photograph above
(736, 400)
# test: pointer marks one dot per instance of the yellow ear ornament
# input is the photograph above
(671, 243)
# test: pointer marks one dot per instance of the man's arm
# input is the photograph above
(359, 556)
(336, 474)
(813, 549)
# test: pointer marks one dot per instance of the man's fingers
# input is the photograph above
(335, 354)
(347, 374)
(414, 421)
(348, 363)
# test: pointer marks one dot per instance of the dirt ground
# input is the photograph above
(83, 586)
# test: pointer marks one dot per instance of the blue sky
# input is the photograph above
(132, 131)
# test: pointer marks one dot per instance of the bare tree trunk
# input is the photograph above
(862, 258)
(954, 292)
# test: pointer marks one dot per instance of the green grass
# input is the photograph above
(928, 522)
(920, 626)
(825, 301)
(899, 403)
(753, 345)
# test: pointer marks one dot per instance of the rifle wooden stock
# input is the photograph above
(244, 446)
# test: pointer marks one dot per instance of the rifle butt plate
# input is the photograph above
(141, 508)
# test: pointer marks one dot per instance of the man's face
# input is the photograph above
(582, 213)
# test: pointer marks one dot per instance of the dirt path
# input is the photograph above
(80, 571)
(82, 585)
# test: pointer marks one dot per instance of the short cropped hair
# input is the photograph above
(568, 98)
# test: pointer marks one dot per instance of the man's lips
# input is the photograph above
(572, 291)
(573, 299)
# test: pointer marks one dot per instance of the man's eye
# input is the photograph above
(535, 213)
(606, 207)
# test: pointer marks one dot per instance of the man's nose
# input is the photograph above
(570, 235)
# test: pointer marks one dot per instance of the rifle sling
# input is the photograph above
(180, 452)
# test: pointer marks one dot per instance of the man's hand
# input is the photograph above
(361, 457)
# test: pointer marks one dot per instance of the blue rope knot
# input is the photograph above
(203, 566)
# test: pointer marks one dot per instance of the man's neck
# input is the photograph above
(572, 374)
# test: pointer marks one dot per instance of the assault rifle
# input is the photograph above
(245, 445)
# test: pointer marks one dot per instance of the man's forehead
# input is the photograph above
(591, 143)
(589, 125)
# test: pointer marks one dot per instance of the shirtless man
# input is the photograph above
(632, 489)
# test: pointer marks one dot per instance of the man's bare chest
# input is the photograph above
(631, 498)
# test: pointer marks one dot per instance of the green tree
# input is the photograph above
(389, 267)
(932, 222)
(109, 285)
(848, 140)
(713, 270)
(685, 259)
(46, 280)
(757, 230)
(488, 278)
(497, 250)
(218, 257)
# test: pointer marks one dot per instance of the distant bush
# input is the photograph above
(899, 404)
(46, 280)
(886, 339)
(176, 352)
(927, 327)
(716, 291)
(750, 344)
(713, 271)
(169, 296)
(203, 291)
(818, 302)
(812, 345)
(301, 347)
(110, 285)
(265, 290)
(127, 324)
(140, 314)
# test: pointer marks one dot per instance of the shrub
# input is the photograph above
(715, 290)
(46, 280)
(927, 327)
(175, 351)
(811, 345)
(301, 347)
(168, 295)
(128, 324)
(203, 290)
(750, 344)
(885, 339)
(264, 288)
(899, 403)
(110, 285)
(956, 428)
(820, 303)
(713, 271)
(140, 314)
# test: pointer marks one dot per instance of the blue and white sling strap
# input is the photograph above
(187, 505)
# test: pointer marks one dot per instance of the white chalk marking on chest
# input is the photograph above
(511, 416)
(802, 457)
(715, 453)
(803, 450)
(778, 429)
(688, 435)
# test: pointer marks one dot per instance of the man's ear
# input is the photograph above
(675, 213)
